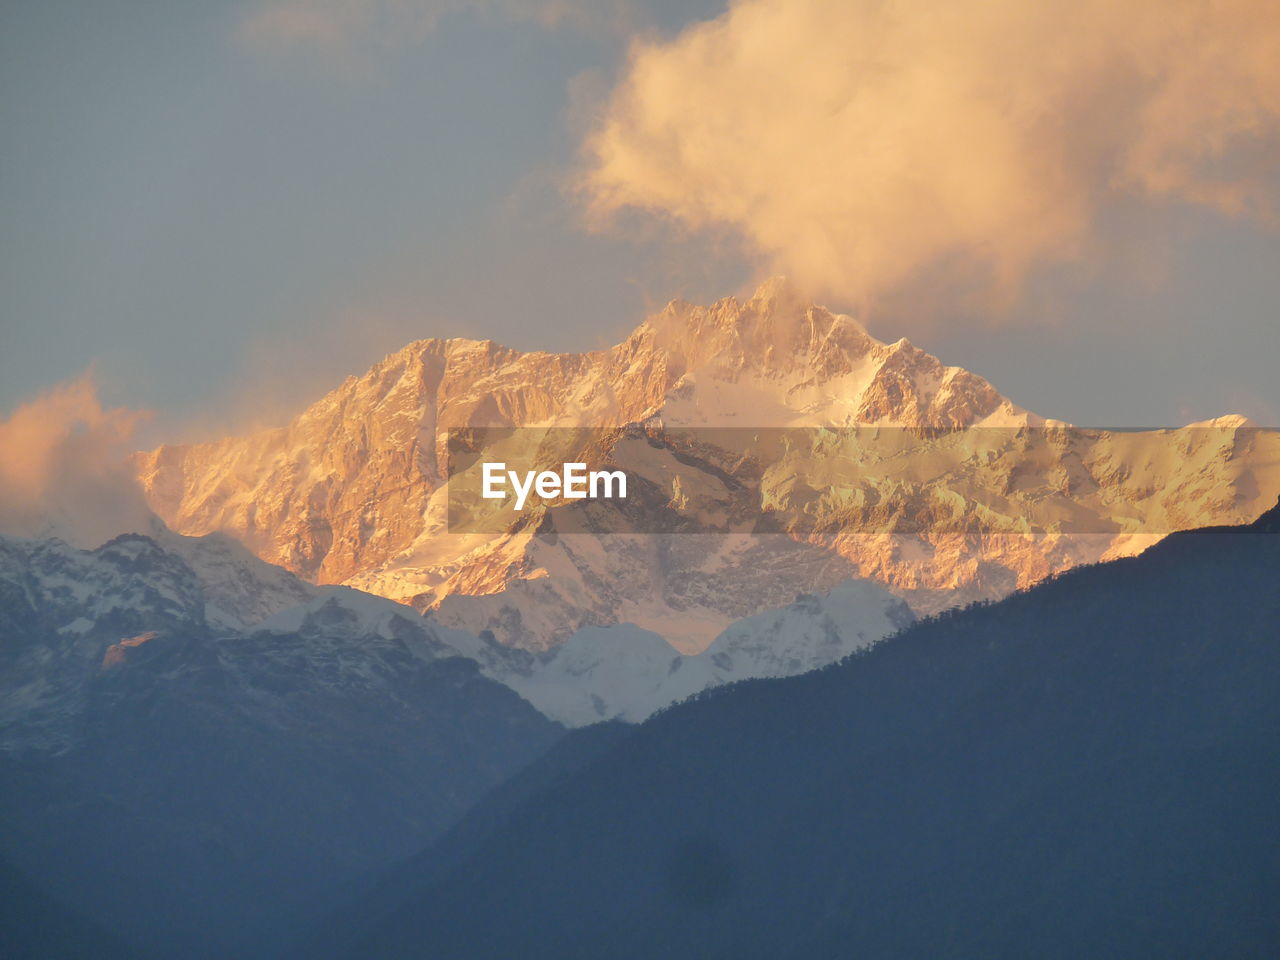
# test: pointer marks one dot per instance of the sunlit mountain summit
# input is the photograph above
(355, 489)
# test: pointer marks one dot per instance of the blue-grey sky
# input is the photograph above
(226, 213)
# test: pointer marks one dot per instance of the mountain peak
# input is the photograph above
(354, 491)
(779, 288)
(350, 486)
(1230, 421)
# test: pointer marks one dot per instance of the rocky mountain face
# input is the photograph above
(858, 454)
(190, 759)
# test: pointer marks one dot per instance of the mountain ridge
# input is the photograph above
(141, 728)
(355, 489)
(433, 378)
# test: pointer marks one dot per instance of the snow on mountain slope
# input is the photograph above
(686, 588)
(625, 672)
(605, 673)
(72, 591)
(232, 588)
(239, 588)
(352, 612)
(620, 672)
(807, 634)
(69, 615)
(353, 490)
(59, 609)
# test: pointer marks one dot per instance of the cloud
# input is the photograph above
(323, 25)
(63, 471)
(862, 145)
(333, 25)
(340, 27)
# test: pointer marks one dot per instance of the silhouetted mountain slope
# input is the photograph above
(1090, 768)
(363, 916)
(34, 926)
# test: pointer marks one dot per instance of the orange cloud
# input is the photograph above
(63, 470)
(858, 144)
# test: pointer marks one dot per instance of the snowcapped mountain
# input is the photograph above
(620, 672)
(69, 614)
(354, 490)
(144, 722)
(346, 486)
(83, 613)
(624, 672)
(812, 632)
(239, 588)
(779, 360)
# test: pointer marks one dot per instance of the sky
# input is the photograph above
(221, 210)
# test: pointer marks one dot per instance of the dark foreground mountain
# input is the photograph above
(1090, 768)
(34, 926)
(196, 789)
